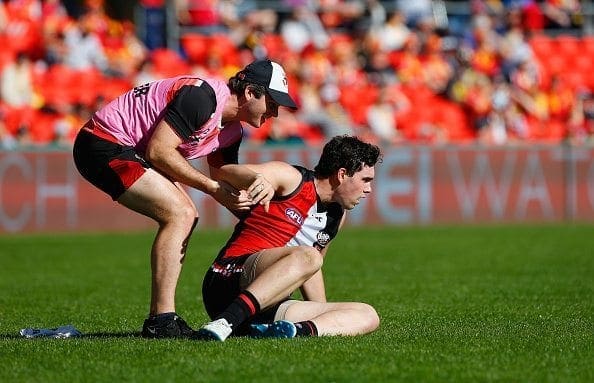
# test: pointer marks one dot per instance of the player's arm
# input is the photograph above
(178, 124)
(162, 153)
(282, 177)
(314, 288)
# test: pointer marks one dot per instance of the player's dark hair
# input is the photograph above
(237, 87)
(346, 152)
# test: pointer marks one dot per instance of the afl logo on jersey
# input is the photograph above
(323, 238)
(294, 216)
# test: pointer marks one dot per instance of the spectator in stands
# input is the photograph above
(83, 48)
(16, 86)
(7, 140)
(562, 13)
(437, 71)
(408, 64)
(4, 18)
(17, 93)
(154, 32)
(372, 18)
(123, 50)
(414, 11)
(392, 35)
(285, 130)
(302, 29)
(53, 13)
(340, 15)
(381, 118)
(248, 13)
(494, 128)
(587, 106)
(202, 15)
(325, 39)
(320, 107)
(145, 73)
(513, 47)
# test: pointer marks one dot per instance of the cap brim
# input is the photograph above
(282, 98)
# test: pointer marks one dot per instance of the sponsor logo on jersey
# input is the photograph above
(323, 238)
(294, 215)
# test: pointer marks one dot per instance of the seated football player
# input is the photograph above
(247, 290)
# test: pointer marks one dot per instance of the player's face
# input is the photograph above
(352, 189)
(261, 109)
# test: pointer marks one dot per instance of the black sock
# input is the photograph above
(242, 308)
(306, 328)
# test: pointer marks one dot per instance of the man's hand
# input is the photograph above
(230, 197)
(261, 191)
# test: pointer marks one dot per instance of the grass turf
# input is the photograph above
(458, 304)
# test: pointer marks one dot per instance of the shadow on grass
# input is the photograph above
(111, 335)
(93, 335)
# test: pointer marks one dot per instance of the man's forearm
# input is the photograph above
(313, 289)
(240, 176)
(179, 169)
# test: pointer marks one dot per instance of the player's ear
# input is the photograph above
(249, 92)
(341, 174)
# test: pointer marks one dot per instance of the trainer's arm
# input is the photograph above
(282, 177)
(162, 153)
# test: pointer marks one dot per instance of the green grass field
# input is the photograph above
(458, 304)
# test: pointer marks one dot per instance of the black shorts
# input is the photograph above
(106, 164)
(219, 289)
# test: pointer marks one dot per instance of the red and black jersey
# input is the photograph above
(292, 220)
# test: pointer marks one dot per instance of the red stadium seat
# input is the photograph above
(274, 44)
(43, 128)
(168, 63)
(587, 45)
(195, 47)
(568, 45)
(574, 79)
(543, 46)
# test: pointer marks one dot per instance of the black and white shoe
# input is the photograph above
(168, 325)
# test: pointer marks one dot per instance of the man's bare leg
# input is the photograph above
(156, 197)
(335, 318)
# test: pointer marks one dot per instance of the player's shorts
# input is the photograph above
(226, 278)
(106, 163)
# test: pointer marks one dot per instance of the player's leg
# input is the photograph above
(331, 318)
(268, 277)
(127, 178)
(277, 272)
(154, 196)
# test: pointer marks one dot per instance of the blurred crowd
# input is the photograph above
(504, 72)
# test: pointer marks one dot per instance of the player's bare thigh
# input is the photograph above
(268, 257)
(155, 196)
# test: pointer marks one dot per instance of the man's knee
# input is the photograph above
(182, 213)
(372, 320)
(310, 259)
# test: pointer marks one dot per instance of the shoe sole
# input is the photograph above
(203, 334)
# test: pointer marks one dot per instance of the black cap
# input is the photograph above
(272, 76)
